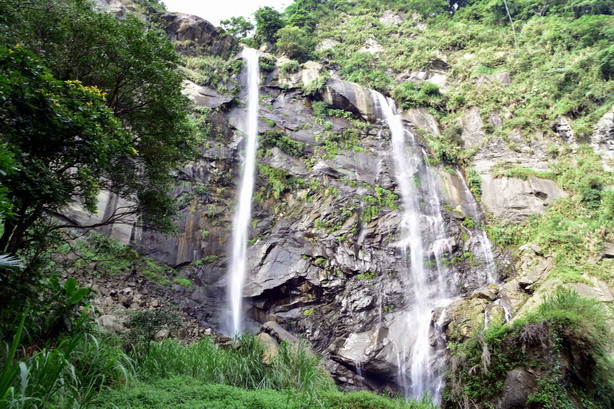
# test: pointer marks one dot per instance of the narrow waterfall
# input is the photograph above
(238, 267)
(485, 245)
(419, 371)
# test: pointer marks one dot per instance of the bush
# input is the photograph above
(412, 95)
(283, 142)
(564, 327)
(605, 60)
(295, 43)
(145, 325)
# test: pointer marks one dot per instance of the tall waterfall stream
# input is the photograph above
(423, 238)
(238, 267)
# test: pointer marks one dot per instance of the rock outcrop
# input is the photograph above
(193, 35)
(514, 199)
(349, 97)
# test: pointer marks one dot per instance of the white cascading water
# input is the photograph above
(482, 238)
(428, 287)
(238, 267)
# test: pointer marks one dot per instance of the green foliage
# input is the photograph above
(289, 67)
(446, 148)
(316, 86)
(362, 68)
(367, 400)
(144, 325)
(102, 255)
(63, 139)
(67, 375)
(188, 393)
(506, 169)
(276, 181)
(134, 65)
(238, 27)
(7, 166)
(268, 22)
(366, 276)
(283, 142)
(540, 342)
(474, 182)
(605, 60)
(412, 95)
(573, 228)
(295, 43)
(305, 13)
(215, 72)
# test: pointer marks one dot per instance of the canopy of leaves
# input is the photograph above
(63, 137)
(295, 43)
(268, 22)
(239, 27)
(135, 67)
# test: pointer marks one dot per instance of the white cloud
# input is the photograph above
(216, 10)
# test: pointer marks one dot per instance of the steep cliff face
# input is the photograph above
(325, 262)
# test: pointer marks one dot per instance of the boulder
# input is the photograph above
(310, 72)
(519, 384)
(271, 347)
(562, 126)
(473, 132)
(349, 97)
(111, 323)
(602, 138)
(597, 289)
(422, 119)
(203, 96)
(390, 18)
(515, 199)
(278, 333)
(196, 36)
(327, 44)
(371, 46)
(119, 8)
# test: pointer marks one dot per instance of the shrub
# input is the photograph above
(412, 95)
(145, 325)
(295, 43)
(283, 142)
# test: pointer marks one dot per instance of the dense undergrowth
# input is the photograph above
(564, 346)
(89, 369)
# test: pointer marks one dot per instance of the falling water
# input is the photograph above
(427, 286)
(482, 238)
(240, 224)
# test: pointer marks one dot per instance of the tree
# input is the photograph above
(295, 43)
(268, 22)
(135, 67)
(238, 27)
(65, 141)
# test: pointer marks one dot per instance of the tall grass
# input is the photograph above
(565, 343)
(94, 371)
(293, 368)
(67, 375)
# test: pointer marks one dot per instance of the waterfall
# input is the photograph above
(238, 267)
(429, 289)
(482, 238)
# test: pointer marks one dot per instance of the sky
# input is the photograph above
(216, 10)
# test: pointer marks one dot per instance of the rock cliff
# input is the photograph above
(324, 262)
